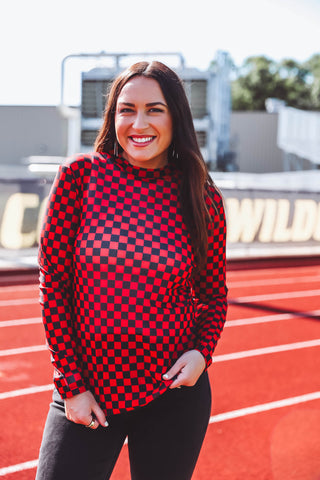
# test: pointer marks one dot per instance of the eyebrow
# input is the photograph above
(152, 104)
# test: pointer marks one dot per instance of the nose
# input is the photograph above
(140, 121)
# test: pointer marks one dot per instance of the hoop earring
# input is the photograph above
(115, 149)
(175, 154)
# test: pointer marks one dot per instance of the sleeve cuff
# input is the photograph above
(69, 386)
(205, 353)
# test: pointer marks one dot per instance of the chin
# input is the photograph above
(140, 158)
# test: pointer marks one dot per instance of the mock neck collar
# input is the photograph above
(143, 173)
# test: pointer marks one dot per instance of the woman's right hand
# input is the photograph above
(83, 408)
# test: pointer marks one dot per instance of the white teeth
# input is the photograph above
(141, 139)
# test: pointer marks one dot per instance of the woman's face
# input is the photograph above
(143, 123)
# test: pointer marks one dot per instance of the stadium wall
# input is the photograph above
(263, 219)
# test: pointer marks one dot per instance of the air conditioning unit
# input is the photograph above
(208, 93)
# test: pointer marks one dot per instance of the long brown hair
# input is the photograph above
(183, 151)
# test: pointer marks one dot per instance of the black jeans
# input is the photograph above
(164, 439)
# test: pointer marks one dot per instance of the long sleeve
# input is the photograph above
(55, 262)
(210, 284)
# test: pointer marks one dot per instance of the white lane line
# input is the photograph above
(19, 351)
(266, 350)
(26, 391)
(216, 358)
(19, 288)
(270, 272)
(270, 318)
(18, 468)
(229, 323)
(248, 299)
(242, 412)
(272, 281)
(276, 296)
(21, 321)
(234, 283)
(20, 301)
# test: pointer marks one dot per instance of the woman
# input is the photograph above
(133, 294)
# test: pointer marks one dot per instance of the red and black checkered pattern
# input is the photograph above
(118, 299)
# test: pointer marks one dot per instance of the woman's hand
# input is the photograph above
(83, 409)
(187, 368)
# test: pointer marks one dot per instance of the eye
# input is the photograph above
(126, 110)
(156, 110)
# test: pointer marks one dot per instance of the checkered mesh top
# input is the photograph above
(118, 297)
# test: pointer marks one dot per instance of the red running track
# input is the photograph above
(265, 422)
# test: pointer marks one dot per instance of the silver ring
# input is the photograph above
(91, 424)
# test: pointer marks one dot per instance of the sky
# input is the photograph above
(36, 35)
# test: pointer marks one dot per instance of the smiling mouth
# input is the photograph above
(142, 141)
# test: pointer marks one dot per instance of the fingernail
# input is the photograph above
(106, 424)
(166, 377)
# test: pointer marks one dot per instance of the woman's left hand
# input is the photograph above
(187, 369)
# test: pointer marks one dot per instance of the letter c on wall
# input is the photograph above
(11, 235)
